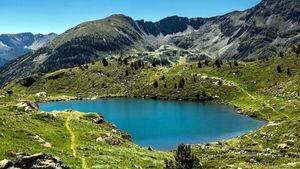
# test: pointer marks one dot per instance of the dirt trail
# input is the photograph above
(73, 141)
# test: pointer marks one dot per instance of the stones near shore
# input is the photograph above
(42, 95)
(36, 161)
(28, 106)
(150, 148)
(98, 120)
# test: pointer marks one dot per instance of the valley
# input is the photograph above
(255, 89)
(124, 92)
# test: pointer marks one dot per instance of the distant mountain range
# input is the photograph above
(258, 32)
(14, 45)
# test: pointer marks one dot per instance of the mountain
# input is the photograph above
(2, 62)
(14, 45)
(255, 33)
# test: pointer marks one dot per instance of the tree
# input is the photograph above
(279, 70)
(236, 63)
(185, 159)
(218, 63)
(289, 72)
(206, 62)
(104, 62)
(230, 65)
(155, 84)
(199, 64)
(281, 54)
(181, 83)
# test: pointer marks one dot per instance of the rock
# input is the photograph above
(252, 160)
(98, 120)
(282, 109)
(28, 106)
(35, 161)
(290, 142)
(150, 148)
(254, 143)
(42, 141)
(5, 164)
(283, 146)
(93, 98)
(41, 95)
(9, 92)
(99, 139)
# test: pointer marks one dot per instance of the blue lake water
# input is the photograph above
(165, 124)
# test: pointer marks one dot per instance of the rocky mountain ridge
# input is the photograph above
(259, 32)
(15, 45)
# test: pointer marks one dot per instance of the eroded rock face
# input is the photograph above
(36, 161)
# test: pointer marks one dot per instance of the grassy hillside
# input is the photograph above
(262, 89)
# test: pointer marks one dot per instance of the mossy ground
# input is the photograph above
(258, 90)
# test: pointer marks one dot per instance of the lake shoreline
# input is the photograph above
(157, 99)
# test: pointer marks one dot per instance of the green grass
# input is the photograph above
(259, 91)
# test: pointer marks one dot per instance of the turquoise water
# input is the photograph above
(165, 124)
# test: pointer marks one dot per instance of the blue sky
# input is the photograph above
(44, 16)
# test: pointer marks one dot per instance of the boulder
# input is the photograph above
(283, 146)
(41, 95)
(28, 106)
(98, 120)
(5, 164)
(35, 161)
(150, 148)
(9, 91)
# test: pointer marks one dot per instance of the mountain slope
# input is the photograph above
(255, 33)
(2, 62)
(14, 45)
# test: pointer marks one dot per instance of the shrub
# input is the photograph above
(289, 72)
(104, 62)
(206, 62)
(155, 84)
(185, 159)
(236, 63)
(218, 63)
(181, 83)
(279, 70)
(199, 64)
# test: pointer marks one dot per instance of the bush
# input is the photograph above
(199, 64)
(289, 72)
(279, 70)
(155, 84)
(185, 159)
(181, 83)
(104, 62)
(236, 63)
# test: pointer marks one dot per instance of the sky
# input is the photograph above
(45, 16)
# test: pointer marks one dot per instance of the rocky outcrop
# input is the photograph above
(28, 106)
(36, 161)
